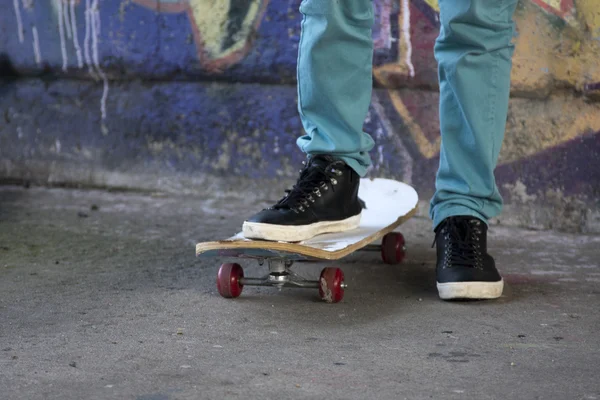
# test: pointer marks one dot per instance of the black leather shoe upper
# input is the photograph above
(462, 251)
(327, 190)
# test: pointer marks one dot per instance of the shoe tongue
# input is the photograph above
(322, 160)
(466, 220)
(463, 226)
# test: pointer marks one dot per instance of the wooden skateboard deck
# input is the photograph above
(388, 204)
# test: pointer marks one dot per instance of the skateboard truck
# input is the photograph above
(280, 275)
(331, 285)
(231, 280)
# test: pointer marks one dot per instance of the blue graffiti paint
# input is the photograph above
(136, 41)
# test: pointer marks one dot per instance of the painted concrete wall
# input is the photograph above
(551, 154)
(558, 41)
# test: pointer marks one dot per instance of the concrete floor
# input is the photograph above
(101, 297)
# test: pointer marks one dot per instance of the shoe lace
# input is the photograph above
(312, 181)
(463, 245)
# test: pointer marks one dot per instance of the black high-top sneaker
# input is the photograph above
(464, 268)
(324, 199)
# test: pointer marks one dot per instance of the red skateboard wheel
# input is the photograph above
(228, 280)
(392, 248)
(331, 285)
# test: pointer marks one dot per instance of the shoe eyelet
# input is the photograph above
(334, 181)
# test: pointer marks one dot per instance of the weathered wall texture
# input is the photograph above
(105, 124)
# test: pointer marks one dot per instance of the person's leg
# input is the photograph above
(335, 58)
(474, 53)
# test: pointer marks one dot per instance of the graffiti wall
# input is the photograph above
(557, 40)
(552, 145)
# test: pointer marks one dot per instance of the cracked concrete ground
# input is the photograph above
(101, 297)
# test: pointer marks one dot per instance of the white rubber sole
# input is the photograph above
(291, 233)
(470, 290)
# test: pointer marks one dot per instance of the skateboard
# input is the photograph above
(387, 204)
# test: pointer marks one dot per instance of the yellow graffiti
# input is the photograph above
(211, 18)
(426, 148)
(545, 54)
(553, 3)
(433, 4)
(382, 73)
(223, 29)
(534, 126)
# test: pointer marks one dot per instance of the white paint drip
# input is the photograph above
(75, 39)
(61, 31)
(386, 28)
(406, 36)
(86, 40)
(36, 46)
(19, 21)
(67, 22)
(95, 33)
(384, 39)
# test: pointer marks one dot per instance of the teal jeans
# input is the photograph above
(474, 53)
